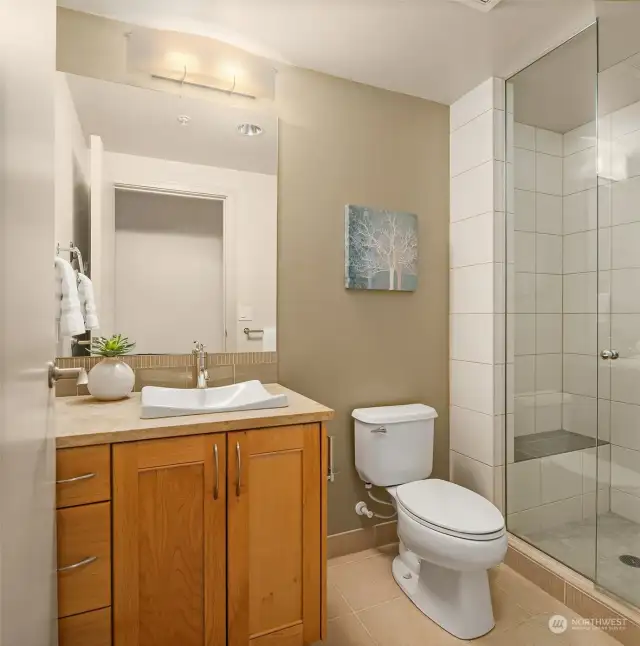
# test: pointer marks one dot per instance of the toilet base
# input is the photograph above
(459, 602)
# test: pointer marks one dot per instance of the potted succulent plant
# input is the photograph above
(112, 378)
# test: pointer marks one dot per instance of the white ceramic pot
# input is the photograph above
(111, 379)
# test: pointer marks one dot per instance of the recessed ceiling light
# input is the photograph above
(250, 129)
(184, 119)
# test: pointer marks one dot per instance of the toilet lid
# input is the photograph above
(451, 507)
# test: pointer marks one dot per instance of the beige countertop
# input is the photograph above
(85, 421)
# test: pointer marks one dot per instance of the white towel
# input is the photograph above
(87, 302)
(70, 314)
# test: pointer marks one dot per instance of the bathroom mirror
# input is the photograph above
(171, 200)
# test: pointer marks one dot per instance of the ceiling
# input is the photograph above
(558, 92)
(434, 49)
(145, 122)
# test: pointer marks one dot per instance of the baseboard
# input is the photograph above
(620, 621)
(360, 539)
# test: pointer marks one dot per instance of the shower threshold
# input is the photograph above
(542, 445)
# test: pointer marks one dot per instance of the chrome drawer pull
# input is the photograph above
(86, 561)
(86, 476)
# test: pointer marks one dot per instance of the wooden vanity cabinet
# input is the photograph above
(169, 542)
(218, 539)
(274, 534)
(83, 492)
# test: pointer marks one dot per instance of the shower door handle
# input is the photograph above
(610, 354)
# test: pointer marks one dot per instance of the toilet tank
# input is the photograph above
(394, 444)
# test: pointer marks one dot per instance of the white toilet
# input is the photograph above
(449, 536)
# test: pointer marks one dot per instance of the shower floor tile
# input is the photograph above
(542, 445)
(574, 544)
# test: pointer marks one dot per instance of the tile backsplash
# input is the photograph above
(177, 370)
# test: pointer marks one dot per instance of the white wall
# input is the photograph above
(477, 302)
(70, 144)
(250, 240)
(102, 237)
(169, 272)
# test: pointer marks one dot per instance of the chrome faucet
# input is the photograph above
(201, 373)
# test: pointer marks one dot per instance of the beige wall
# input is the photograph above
(342, 142)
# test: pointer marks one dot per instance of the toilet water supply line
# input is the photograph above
(363, 510)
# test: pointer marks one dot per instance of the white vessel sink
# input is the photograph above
(174, 402)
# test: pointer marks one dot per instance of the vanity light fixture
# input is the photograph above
(250, 129)
(184, 119)
(481, 5)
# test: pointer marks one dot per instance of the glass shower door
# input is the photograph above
(618, 467)
(552, 255)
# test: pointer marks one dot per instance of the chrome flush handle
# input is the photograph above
(379, 429)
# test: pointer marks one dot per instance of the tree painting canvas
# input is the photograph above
(381, 249)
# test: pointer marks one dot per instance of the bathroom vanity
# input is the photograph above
(207, 530)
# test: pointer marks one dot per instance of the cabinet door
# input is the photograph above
(274, 524)
(169, 535)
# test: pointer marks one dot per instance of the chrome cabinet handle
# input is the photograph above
(610, 354)
(331, 475)
(238, 467)
(86, 476)
(82, 563)
(216, 486)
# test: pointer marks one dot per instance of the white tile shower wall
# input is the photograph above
(477, 296)
(558, 489)
(555, 314)
(580, 284)
(586, 251)
(538, 256)
(602, 230)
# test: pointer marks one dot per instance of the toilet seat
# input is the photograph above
(450, 509)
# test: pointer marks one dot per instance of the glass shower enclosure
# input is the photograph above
(573, 311)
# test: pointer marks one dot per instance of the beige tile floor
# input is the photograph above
(367, 608)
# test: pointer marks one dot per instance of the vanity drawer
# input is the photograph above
(88, 629)
(84, 558)
(83, 475)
